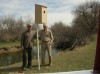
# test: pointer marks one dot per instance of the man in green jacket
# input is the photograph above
(27, 44)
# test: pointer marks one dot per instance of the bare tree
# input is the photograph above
(86, 19)
(63, 35)
(10, 28)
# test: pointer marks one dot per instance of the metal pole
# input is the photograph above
(38, 48)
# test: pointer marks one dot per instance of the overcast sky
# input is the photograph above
(58, 10)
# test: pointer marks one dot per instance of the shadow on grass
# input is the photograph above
(16, 69)
(13, 69)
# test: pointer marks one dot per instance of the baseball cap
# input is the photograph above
(29, 25)
(44, 25)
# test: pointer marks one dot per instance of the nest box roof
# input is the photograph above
(41, 5)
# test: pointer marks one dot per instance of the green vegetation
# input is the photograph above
(9, 44)
(80, 59)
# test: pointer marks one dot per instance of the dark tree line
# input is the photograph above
(10, 29)
(84, 26)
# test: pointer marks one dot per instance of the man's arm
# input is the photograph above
(22, 41)
(51, 36)
(34, 35)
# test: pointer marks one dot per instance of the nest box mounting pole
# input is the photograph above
(40, 18)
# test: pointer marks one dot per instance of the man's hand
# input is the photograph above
(22, 48)
(50, 42)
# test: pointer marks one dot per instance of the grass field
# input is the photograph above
(80, 59)
(9, 44)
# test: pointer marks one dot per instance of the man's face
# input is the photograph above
(29, 27)
(45, 27)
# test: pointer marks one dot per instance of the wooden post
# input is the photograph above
(97, 56)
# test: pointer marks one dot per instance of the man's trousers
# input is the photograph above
(27, 57)
(46, 46)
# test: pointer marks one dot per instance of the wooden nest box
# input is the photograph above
(40, 14)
